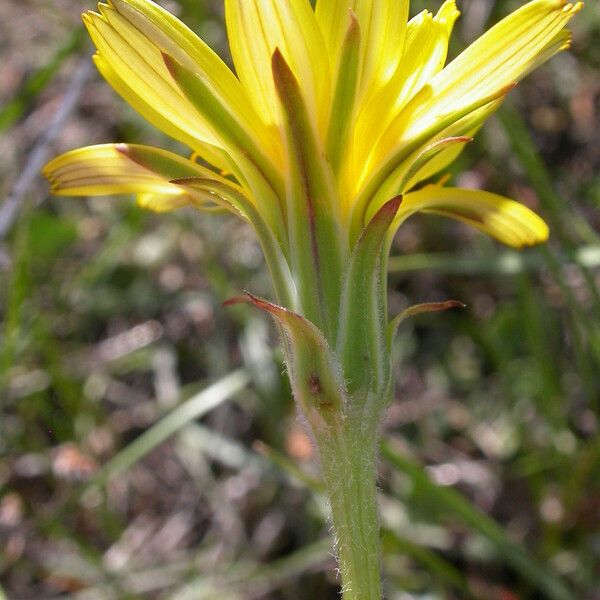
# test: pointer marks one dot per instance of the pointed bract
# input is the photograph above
(313, 369)
(417, 309)
(313, 212)
(361, 343)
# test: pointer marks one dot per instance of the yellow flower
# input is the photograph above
(332, 113)
(323, 141)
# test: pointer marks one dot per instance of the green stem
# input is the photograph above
(348, 462)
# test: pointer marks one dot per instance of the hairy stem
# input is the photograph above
(348, 462)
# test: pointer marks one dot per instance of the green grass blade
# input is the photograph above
(290, 468)
(448, 500)
(444, 573)
(194, 408)
(559, 212)
(563, 217)
(506, 262)
(252, 581)
(14, 296)
(18, 106)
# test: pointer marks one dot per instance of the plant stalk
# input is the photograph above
(348, 462)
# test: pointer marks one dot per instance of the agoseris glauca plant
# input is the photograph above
(321, 141)
(332, 112)
(330, 115)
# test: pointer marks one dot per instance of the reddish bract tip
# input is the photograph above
(390, 208)
(267, 306)
(385, 215)
(170, 63)
(258, 302)
(188, 180)
(438, 306)
(236, 300)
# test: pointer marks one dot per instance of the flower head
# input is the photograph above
(331, 113)
(322, 141)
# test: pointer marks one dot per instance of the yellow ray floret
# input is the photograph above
(383, 26)
(506, 220)
(175, 39)
(128, 169)
(133, 39)
(138, 64)
(380, 110)
(503, 55)
(424, 55)
(256, 28)
(155, 114)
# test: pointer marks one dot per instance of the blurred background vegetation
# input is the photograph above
(148, 444)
